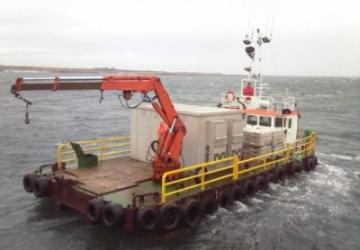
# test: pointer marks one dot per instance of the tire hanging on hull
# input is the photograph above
(94, 209)
(29, 181)
(42, 187)
(147, 218)
(113, 214)
(210, 204)
(249, 188)
(192, 213)
(280, 173)
(261, 183)
(170, 216)
(298, 166)
(225, 198)
(237, 193)
(290, 171)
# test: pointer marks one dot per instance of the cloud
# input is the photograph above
(310, 37)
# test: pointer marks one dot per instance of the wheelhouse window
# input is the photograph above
(278, 122)
(265, 121)
(289, 123)
(252, 120)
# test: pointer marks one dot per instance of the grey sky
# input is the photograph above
(310, 37)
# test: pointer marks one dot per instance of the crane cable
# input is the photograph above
(27, 107)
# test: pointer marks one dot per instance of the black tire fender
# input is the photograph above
(271, 177)
(147, 218)
(170, 216)
(29, 181)
(113, 214)
(94, 210)
(192, 213)
(261, 183)
(280, 173)
(298, 166)
(290, 171)
(249, 188)
(42, 186)
(210, 204)
(307, 163)
(237, 193)
(225, 198)
(311, 163)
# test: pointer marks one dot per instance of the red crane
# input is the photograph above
(169, 143)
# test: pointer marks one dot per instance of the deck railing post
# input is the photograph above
(101, 144)
(163, 188)
(202, 177)
(59, 155)
(235, 168)
(288, 153)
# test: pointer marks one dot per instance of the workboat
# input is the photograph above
(263, 113)
(179, 163)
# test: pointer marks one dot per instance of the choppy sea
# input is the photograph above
(315, 210)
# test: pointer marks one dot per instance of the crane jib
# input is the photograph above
(167, 158)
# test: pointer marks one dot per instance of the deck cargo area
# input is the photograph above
(111, 175)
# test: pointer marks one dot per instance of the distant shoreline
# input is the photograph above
(103, 70)
(110, 70)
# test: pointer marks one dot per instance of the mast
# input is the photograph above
(253, 50)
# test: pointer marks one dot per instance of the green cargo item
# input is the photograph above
(307, 132)
(84, 160)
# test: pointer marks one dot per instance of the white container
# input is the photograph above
(207, 136)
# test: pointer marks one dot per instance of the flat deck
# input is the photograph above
(111, 175)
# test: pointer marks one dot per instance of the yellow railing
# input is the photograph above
(201, 176)
(103, 148)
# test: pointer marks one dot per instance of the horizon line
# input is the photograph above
(114, 69)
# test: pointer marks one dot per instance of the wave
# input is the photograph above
(323, 95)
(240, 207)
(342, 157)
(339, 156)
(256, 200)
(334, 178)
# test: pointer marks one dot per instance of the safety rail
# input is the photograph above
(104, 148)
(198, 177)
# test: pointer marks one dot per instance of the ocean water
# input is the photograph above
(316, 210)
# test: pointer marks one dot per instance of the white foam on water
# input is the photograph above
(240, 207)
(342, 157)
(357, 174)
(335, 180)
(265, 195)
(222, 210)
(323, 95)
(293, 188)
(320, 154)
(212, 216)
(215, 231)
(337, 171)
(256, 200)
(274, 186)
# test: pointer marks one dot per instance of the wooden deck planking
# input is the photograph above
(111, 175)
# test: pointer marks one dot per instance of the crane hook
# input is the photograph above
(101, 96)
(27, 113)
(27, 107)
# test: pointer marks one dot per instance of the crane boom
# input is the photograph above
(170, 142)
